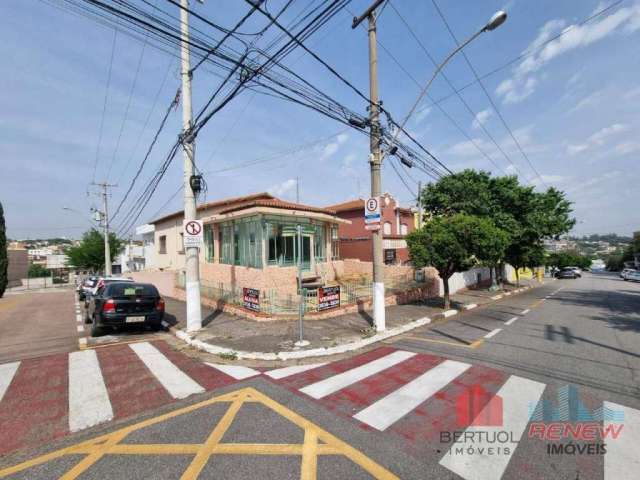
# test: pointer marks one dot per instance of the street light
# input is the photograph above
(494, 22)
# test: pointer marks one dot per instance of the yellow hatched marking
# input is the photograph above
(110, 444)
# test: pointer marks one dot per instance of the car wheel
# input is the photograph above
(96, 331)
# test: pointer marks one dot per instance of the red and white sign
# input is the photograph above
(192, 233)
(372, 226)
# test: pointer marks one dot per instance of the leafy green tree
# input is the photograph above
(90, 252)
(568, 258)
(37, 271)
(451, 244)
(4, 259)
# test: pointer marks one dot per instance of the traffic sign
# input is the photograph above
(372, 210)
(192, 233)
(372, 226)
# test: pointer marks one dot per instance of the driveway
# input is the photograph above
(37, 323)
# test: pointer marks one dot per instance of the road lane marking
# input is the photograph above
(433, 340)
(470, 306)
(7, 372)
(493, 332)
(449, 313)
(177, 383)
(89, 402)
(279, 373)
(388, 410)
(79, 318)
(511, 320)
(496, 297)
(524, 312)
(317, 442)
(80, 328)
(338, 382)
(622, 462)
(517, 394)
(236, 371)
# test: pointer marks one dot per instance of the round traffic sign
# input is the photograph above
(192, 228)
(372, 204)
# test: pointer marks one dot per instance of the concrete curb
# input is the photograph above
(297, 354)
(325, 351)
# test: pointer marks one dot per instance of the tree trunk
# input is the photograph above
(445, 282)
(491, 273)
(517, 276)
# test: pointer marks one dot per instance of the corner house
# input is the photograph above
(251, 242)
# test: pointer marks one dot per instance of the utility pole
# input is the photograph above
(192, 267)
(105, 223)
(419, 205)
(375, 163)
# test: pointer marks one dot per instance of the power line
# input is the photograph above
(495, 107)
(104, 106)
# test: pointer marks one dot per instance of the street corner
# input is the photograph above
(238, 434)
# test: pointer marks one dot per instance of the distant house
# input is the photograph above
(18, 266)
(356, 241)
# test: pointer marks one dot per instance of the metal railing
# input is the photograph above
(273, 302)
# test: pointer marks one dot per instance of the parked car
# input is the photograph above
(86, 285)
(567, 272)
(118, 303)
(577, 270)
(625, 272)
(631, 274)
(101, 282)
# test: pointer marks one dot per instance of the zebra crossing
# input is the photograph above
(409, 395)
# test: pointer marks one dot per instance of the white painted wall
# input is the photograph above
(467, 279)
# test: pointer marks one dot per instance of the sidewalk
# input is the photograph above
(233, 336)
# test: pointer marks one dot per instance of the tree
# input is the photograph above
(450, 244)
(528, 216)
(4, 259)
(90, 252)
(570, 258)
(36, 271)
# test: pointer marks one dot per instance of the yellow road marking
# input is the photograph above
(109, 444)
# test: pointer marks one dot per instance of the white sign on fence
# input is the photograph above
(192, 233)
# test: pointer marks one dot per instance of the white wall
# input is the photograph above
(467, 279)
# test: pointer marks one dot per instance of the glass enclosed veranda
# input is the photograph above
(270, 240)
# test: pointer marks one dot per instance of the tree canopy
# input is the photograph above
(90, 252)
(454, 244)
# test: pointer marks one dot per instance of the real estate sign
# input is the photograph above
(328, 297)
(251, 299)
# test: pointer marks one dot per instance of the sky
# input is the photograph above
(572, 104)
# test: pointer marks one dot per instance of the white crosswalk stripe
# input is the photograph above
(517, 394)
(284, 372)
(236, 371)
(89, 402)
(177, 383)
(7, 372)
(622, 461)
(338, 382)
(397, 404)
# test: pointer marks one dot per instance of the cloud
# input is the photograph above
(542, 49)
(420, 115)
(547, 179)
(481, 118)
(632, 93)
(283, 188)
(625, 148)
(598, 139)
(591, 100)
(331, 148)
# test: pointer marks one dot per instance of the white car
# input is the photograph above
(625, 272)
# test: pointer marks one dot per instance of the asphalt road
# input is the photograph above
(389, 412)
(34, 324)
(584, 331)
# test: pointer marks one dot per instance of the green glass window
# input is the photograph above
(208, 243)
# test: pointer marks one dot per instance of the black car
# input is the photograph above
(567, 273)
(125, 303)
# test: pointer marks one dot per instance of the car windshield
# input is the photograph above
(90, 283)
(131, 290)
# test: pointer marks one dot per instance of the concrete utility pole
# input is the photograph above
(105, 224)
(375, 163)
(192, 266)
(419, 205)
